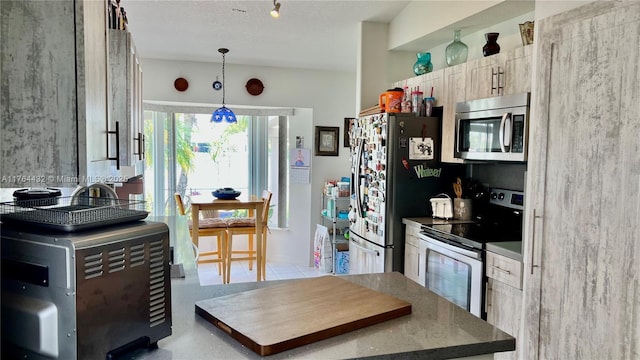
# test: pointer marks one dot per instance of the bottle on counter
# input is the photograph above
(428, 105)
(416, 100)
(406, 106)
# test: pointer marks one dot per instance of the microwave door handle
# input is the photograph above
(505, 132)
(457, 139)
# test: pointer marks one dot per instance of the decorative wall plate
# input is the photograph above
(254, 87)
(181, 84)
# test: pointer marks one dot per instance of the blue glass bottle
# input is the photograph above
(423, 65)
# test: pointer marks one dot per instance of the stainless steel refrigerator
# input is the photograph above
(395, 170)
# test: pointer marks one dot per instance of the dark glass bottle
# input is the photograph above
(491, 47)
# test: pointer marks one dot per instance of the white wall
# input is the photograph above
(319, 98)
(546, 8)
(425, 17)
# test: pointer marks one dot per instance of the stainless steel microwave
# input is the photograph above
(494, 129)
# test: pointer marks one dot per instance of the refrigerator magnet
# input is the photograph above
(405, 163)
(421, 149)
(403, 142)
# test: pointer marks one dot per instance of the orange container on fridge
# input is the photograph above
(391, 100)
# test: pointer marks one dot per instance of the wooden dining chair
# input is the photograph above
(247, 226)
(215, 227)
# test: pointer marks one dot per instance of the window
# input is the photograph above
(186, 153)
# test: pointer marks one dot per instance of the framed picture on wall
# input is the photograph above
(348, 123)
(327, 138)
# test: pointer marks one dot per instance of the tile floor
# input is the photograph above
(208, 273)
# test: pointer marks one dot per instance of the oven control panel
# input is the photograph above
(507, 198)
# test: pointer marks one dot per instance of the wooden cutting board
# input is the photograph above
(284, 316)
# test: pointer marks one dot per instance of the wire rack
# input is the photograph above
(72, 213)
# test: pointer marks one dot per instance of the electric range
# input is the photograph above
(455, 253)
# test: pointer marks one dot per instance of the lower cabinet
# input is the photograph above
(504, 298)
(414, 255)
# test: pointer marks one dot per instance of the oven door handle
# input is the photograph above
(505, 132)
(450, 248)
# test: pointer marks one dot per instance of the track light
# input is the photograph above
(275, 12)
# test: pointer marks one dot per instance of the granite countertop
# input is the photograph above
(436, 328)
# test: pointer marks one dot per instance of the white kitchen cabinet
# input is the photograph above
(53, 93)
(504, 297)
(125, 104)
(414, 254)
(454, 92)
(501, 74)
(582, 269)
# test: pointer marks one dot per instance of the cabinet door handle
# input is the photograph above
(139, 139)
(500, 269)
(500, 80)
(533, 239)
(494, 84)
(488, 292)
(115, 132)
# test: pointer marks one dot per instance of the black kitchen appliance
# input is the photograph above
(395, 169)
(456, 251)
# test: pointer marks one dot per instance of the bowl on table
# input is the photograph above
(226, 193)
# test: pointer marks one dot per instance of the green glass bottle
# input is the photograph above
(457, 51)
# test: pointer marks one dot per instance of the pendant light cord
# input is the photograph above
(223, 82)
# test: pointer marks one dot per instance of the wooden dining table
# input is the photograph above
(250, 202)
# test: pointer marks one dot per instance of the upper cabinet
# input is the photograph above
(53, 93)
(496, 75)
(125, 105)
(454, 92)
(500, 74)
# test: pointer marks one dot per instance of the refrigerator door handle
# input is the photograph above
(359, 177)
(364, 249)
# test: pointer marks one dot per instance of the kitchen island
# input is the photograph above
(436, 328)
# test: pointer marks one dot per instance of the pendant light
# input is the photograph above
(223, 113)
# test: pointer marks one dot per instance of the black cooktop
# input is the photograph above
(474, 235)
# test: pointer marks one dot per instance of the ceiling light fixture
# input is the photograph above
(275, 12)
(223, 113)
